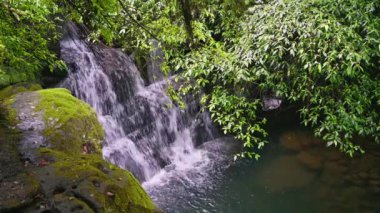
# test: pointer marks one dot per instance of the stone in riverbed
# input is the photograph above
(374, 174)
(290, 141)
(333, 154)
(298, 140)
(375, 183)
(335, 168)
(311, 161)
(331, 179)
(363, 175)
(284, 173)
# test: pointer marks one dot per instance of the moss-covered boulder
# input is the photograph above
(90, 183)
(17, 88)
(54, 118)
(54, 163)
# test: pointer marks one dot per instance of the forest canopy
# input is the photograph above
(322, 56)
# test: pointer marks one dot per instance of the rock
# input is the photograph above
(311, 161)
(58, 120)
(335, 168)
(375, 153)
(375, 183)
(359, 182)
(284, 173)
(154, 65)
(223, 147)
(54, 129)
(374, 175)
(365, 163)
(297, 141)
(290, 141)
(331, 179)
(203, 129)
(376, 189)
(18, 191)
(363, 175)
(17, 88)
(271, 103)
(351, 202)
(89, 180)
(324, 192)
(334, 155)
(110, 194)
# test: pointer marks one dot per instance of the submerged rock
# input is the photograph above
(61, 168)
(298, 140)
(290, 141)
(276, 180)
(311, 161)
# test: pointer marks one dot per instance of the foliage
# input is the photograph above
(25, 36)
(321, 54)
(318, 54)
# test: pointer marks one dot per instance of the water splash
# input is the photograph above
(145, 132)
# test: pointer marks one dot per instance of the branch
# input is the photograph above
(135, 21)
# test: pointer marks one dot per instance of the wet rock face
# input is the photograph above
(52, 162)
(54, 118)
(155, 61)
(142, 124)
(271, 103)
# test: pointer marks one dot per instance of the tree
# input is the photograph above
(323, 55)
(320, 55)
(25, 37)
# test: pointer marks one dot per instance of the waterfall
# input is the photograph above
(145, 132)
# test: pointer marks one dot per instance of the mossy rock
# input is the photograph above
(18, 186)
(66, 172)
(88, 182)
(54, 118)
(8, 113)
(71, 125)
(17, 88)
(18, 191)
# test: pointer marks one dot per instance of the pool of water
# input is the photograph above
(296, 173)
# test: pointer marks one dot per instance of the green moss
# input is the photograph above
(89, 182)
(114, 189)
(69, 123)
(8, 112)
(21, 191)
(7, 98)
(17, 88)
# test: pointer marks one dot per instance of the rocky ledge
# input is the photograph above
(50, 153)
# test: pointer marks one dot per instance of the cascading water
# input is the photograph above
(144, 131)
(156, 141)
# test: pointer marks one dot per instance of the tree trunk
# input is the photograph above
(186, 12)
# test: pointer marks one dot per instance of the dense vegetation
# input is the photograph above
(321, 55)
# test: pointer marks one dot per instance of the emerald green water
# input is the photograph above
(295, 174)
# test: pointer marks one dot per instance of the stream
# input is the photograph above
(295, 174)
(186, 165)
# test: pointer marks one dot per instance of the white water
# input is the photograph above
(144, 133)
